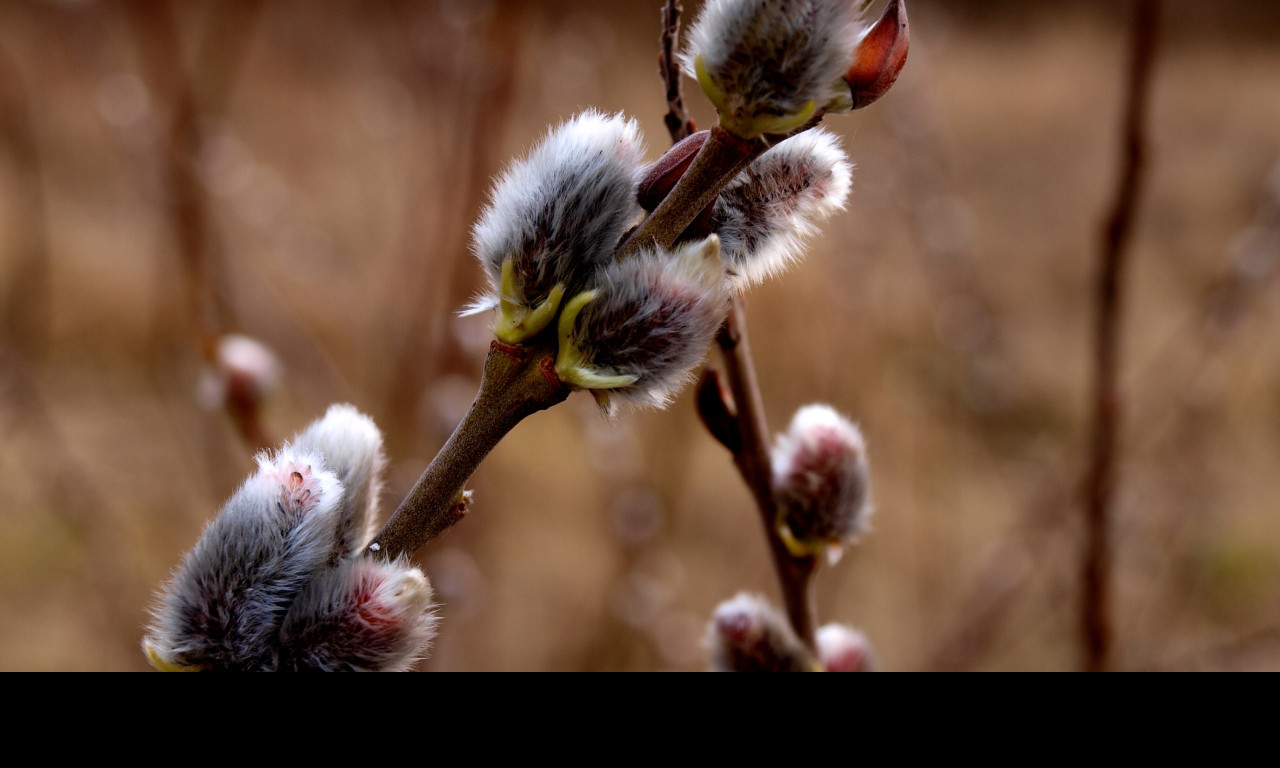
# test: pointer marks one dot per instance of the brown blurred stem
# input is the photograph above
(26, 298)
(795, 574)
(1095, 616)
(220, 53)
(158, 41)
(679, 125)
(518, 382)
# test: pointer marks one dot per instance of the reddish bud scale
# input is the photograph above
(662, 176)
(666, 173)
(880, 56)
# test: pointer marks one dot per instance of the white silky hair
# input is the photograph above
(820, 475)
(767, 214)
(350, 445)
(560, 211)
(654, 318)
(772, 57)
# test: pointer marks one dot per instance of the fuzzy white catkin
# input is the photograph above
(559, 212)
(287, 528)
(820, 476)
(771, 58)
(223, 607)
(747, 634)
(654, 318)
(765, 215)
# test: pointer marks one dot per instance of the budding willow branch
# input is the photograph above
(723, 156)
(518, 381)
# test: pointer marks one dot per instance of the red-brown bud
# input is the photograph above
(879, 56)
(663, 176)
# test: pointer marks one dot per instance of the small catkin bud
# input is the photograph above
(765, 215)
(248, 370)
(770, 66)
(748, 635)
(821, 480)
(367, 615)
(844, 649)
(555, 216)
(645, 324)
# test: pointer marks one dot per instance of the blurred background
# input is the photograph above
(306, 173)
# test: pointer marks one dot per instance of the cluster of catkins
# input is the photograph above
(747, 634)
(633, 329)
(771, 67)
(277, 580)
(821, 484)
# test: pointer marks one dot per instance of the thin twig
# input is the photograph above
(1100, 482)
(26, 300)
(679, 125)
(734, 417)
(795, 574)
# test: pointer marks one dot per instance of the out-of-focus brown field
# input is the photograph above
(320, 165)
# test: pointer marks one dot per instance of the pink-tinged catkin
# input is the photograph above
(247, 368)
(747, 634)
(366, 615)
(844, 649)
(765, 216)
(820, 477)
(559, 212)
(294, 522)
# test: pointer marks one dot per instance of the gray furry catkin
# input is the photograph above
(280, 555)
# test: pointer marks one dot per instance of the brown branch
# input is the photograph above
(160, 49)
(722, 157)
(1100, 482)
(27, 296)
(221, 52)
(518, 382)
(678, 122)
(795, 574)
